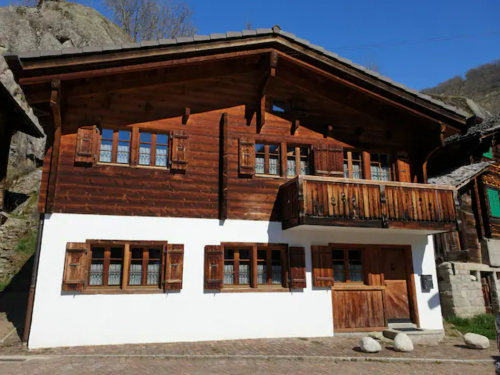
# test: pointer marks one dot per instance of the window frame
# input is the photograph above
(347, 271)
(349, 159)
(267, 155)
(254, 248)
(390, 159)
(145, 262)
(124, 286)
(298, 157)
(115, 143)
(153, 143)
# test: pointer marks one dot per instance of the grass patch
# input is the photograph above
(27, 244)
(483, 324)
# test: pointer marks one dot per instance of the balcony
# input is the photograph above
(329, 201)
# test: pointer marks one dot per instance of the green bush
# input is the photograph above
(483, 324)
(27, 244)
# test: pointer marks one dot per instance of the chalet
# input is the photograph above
(469, 260)
(12, 118)
(232, 186)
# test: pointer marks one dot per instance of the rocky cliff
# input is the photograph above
(50, 25)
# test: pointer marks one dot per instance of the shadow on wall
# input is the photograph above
(434, 302)
(14, 298)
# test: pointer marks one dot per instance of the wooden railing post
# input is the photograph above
(383, 207)
(300, 201)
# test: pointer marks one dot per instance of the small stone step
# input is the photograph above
(402, 325)
(418, 335)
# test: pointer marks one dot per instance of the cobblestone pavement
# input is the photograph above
(138, 366)
(339, 346)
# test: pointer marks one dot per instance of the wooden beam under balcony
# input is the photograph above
(327, 201)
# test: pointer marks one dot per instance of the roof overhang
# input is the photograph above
(40, 68)
(20, 119)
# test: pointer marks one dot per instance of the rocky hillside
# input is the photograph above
(50, 25)
(481, 84)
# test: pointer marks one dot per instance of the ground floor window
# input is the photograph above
(347, 265)
(253, 265)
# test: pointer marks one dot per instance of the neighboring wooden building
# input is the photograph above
(469, 260)
(231, 186)
(12, 118)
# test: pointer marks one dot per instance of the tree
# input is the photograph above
(153, 19)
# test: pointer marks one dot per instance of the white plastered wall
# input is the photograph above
(193, 314)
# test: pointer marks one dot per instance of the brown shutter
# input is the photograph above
(214, 267)
(322, 266)
(174, 262)
(75, 266)
(247, 156)
(328, 160)
(86, 140)
(297, 268)
(403, 166)
(179, 155)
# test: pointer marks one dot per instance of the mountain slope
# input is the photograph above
(481, 84)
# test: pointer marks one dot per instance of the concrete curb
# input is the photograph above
(22, 358)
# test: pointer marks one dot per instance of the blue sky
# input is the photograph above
(345, 27)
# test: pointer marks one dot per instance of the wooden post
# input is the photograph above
(263, 88)
(367, 173)
(383, 207)
(223, 164)
(55, 106)
(185, 117)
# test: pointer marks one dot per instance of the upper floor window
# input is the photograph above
(347, 265)
(267, 159)
(298, 161)
(353, 164)
(115, 146)
(380, 167)
(153, 149)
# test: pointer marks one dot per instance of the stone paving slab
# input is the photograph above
(340, 346)
(137, 366)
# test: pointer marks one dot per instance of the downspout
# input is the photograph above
(34, 276)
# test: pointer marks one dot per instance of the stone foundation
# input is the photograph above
(460, 294)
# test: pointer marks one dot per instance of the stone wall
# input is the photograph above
(460, 288)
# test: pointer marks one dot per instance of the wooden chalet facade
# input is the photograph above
(213, 178)
(469, 260)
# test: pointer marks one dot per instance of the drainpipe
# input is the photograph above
(34, 275)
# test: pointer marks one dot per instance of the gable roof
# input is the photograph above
(487, 127)
(460, 176)
(16, 61)
(23, 122)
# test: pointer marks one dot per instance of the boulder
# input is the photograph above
(369, 345)
(475, 341)
(402, 343)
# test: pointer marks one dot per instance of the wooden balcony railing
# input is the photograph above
(311, 200)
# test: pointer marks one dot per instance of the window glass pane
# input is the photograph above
(107, 134)
(276, 267)
(291, 166)
(259, 164)
(146, 137)
(244, 254)
(137, 253)
(356, 169)
(274, 149)
(96, 272)
(97, 253)
(304, 151)
(274, 165)
(161, 156)
(123, 152)
(135, 277)
(124, 135)
(259, 147)
(106, 150)
(354, 254)
(228, 254)
(161, 139)
(228, 272)
(261, 272)
(153, 277)
(115, 272)
(116, 253)
(346, 169)
(375, 172)
(338, 254)
(304, 167)
(339, 277)
(244, 272)
(144, 154)
(338, 266)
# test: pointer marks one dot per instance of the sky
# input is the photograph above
(419, 43)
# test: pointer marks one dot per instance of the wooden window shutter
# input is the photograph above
(297, 268)
(247, 156)
(328, 160)
(322, 266)
(86, 143)
(403, 167)
(174, 262)
(179, 155)
(75, 266)
(214, 267)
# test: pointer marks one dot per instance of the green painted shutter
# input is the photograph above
(489, 154)
(494, 200)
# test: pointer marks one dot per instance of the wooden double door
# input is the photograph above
(387, 292)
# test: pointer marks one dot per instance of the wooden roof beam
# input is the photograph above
(263, 88)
